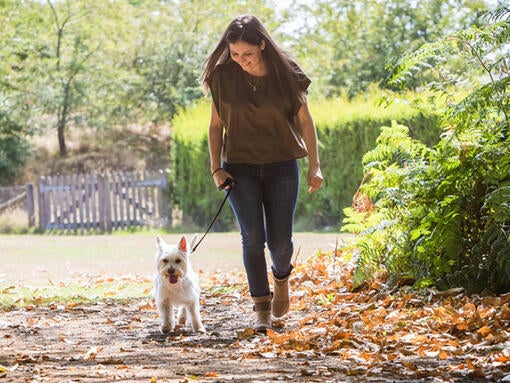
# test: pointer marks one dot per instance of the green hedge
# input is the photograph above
(346, 130)
(192, 187)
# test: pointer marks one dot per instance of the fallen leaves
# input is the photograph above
(332, 329)
(371, 327)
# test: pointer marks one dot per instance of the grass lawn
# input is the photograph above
(43, 267)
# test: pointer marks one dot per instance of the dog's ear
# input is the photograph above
(193, 241)
(159, 242)
(183, 244)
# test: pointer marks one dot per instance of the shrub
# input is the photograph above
(14, 148)
(346, 130)
(441, 215)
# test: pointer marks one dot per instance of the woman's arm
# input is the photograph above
(309, 131)
(215, 147)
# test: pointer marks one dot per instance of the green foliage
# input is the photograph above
(96, 64)
(345, 43)
(14, 100)
(14, 149)
(193, 189)
(442, 214)
(346, 130)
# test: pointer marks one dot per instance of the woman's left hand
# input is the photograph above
(314, 178)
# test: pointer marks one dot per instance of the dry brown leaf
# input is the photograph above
(470, 364)
(246, 333)
(484, 331)
(92, 353)
(505, 312)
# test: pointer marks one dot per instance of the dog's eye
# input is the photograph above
(165, 261)
(177, 261)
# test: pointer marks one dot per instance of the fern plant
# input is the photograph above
(442, 214)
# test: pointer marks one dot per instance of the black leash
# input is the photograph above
(228, 181)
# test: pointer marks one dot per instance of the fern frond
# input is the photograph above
(472, 42)
(500, 13)
(407, 66)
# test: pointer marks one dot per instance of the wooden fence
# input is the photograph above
(103, 202)
(13, 197)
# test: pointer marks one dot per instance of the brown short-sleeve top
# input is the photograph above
(258, 124)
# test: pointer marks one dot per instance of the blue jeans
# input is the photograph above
(263, 200)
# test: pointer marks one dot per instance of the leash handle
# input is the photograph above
(228, 181)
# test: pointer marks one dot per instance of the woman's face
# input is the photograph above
(248, 56)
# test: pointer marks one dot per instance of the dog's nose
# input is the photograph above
(171, 270)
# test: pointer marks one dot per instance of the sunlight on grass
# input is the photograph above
(70, 294)
(96, 289)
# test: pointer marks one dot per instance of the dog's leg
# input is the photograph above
(194, 316)
(182, 315)
(166, 313)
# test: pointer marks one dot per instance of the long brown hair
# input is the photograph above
(250, 30)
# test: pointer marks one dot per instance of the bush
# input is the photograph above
(346, 130)
(14, 149)
(192, 187)
(441, 215)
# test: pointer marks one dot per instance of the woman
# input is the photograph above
(260, 125)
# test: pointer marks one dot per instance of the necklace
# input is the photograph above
(253, 86)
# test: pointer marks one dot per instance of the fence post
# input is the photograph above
(103, 191)
(164, 200)
(30, 204)
(42, 205)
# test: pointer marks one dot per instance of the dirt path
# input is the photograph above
(121, 342)
(332, 334)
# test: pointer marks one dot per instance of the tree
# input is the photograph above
(98, 64)
(15, 103)
(65, 77)
(347, 43)
(173, 44)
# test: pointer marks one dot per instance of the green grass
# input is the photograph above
(45, 270)
(65, 295)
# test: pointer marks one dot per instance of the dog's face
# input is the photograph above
(172, 261)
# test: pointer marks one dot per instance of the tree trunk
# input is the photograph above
(62, 118)
(61, 139)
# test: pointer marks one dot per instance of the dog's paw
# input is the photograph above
(166, 328)
(200, 329)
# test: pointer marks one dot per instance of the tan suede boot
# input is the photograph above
(281, 303)
(262, 307)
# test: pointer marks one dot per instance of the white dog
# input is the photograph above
(176, 286)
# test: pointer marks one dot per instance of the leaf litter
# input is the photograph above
(333, 333)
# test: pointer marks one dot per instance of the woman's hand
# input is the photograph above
(314, 178)
(220, 176)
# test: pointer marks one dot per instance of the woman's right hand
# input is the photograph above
(220, 177)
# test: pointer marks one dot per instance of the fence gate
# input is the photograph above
(103, 202)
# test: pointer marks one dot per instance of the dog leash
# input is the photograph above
(228, 181)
